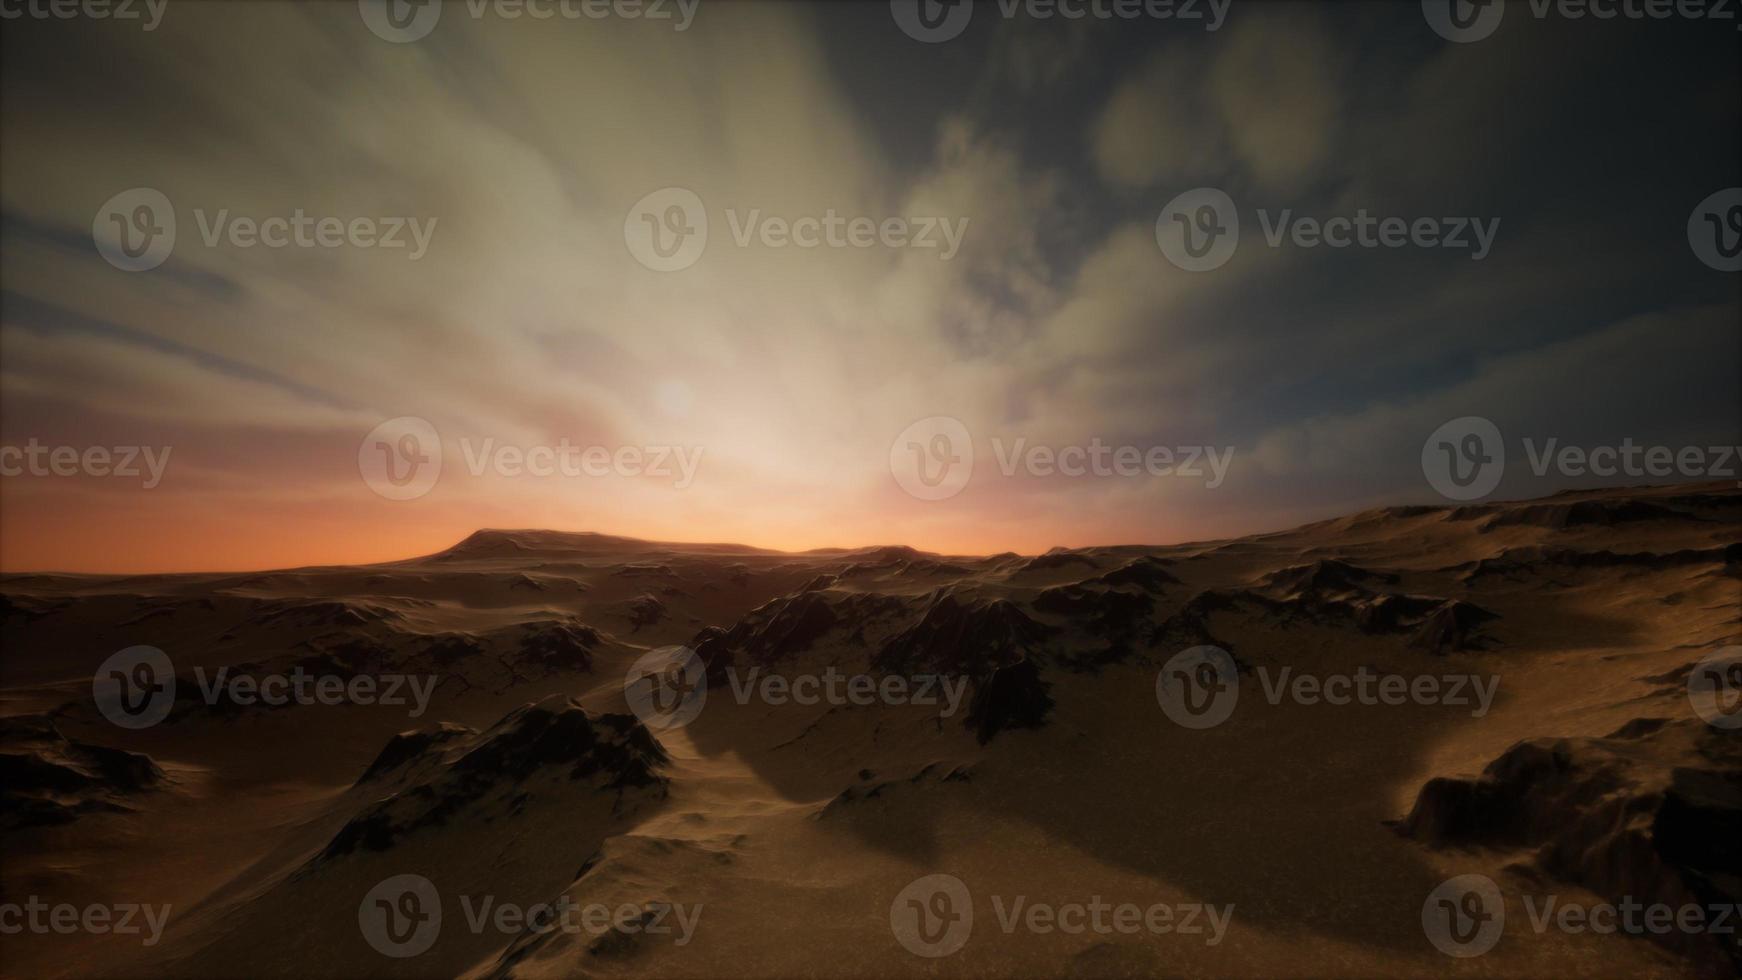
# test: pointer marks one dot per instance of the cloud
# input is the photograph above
(529, 321)
(1263, 105)
(1598, 388)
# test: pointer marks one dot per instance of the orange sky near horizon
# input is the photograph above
(165, 536)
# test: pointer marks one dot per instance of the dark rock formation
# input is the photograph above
(962, 636)
(448, 769)
(47, 779)
(1144, 572)
(557, 644)
(644, 610)
(1452, 626)
(1650, 813)
(1013, 696)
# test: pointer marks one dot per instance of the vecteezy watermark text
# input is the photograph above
(401, 917)
(1465, 459)
(836, 688)
(933, 459)
(934, 917)
(936, 21)
(1466, 916)
(303, 688)
(136, 688)
(667, 688)
(1468, 21)
(34, 915)
(1200, 687)
(567, 459)
(35, 459)
(668, 230)
(1199, 230)
(402, 458)
(135, 230)
(1099, 459)
(404, 21)
(148, 12)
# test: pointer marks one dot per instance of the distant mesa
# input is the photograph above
(494, 545)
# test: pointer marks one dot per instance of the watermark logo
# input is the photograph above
(831, 229)
(1715, 688)
(1364, 229)
(400, 21)
(936, 21)
(1464, 916)
(1715, 230)
(303, 688)
(401, 459)
(401, 916)
(1467, 21)
(666, 687)
(300, 229)
(1199, 230)
(1630, 916)
(135, 230)
(149, 11)
(932, 21)
(933, 459)
(840, 689)
(569, 460)
(1099, 459)
(1199, 688)
(667, 230)
(35, 459)
(933, 916)
(1465, 458)
(135, 688)
(1463, 21)
(404, 21)
(36, 916)
(1632, 460)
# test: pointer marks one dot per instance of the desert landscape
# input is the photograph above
(543, 754)
(870, 489)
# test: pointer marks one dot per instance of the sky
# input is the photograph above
(433, 273)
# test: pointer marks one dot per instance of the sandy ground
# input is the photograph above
(788, 832)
